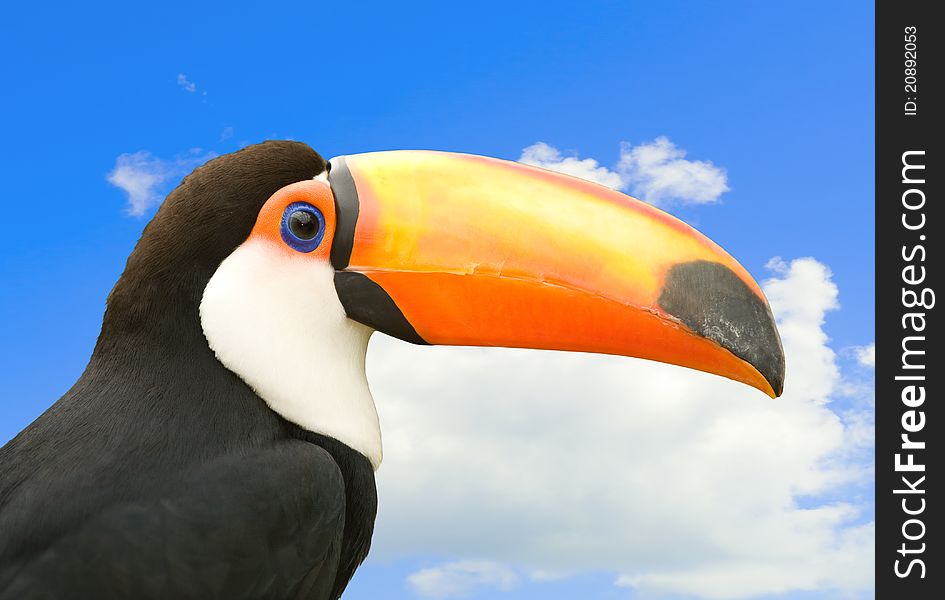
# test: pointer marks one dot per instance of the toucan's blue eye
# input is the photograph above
(303, 226)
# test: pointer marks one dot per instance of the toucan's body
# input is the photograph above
(222, 441)
(161, 474)
(211, 511)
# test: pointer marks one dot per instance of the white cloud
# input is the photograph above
(460, 578)
(188, 86)
(838, 567)
(659, 173)
(139, 175)
(656, 172)
(548, 157)
(673, 480)
(801, 294)
(145, 177)
(866, 355)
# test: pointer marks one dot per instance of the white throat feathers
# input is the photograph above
(275, 320)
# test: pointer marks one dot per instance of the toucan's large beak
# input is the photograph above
(442, 248)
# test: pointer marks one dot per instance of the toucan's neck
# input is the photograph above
(275, 320)
(235, 345)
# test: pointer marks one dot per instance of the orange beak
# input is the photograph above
(454, 249)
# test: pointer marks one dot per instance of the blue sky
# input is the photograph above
(777, 95)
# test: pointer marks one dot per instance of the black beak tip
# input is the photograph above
(713, 301)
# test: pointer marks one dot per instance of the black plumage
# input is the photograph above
(160, 474)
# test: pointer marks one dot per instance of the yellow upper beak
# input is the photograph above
(456, 249)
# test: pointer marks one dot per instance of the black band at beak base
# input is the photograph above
(346, 211)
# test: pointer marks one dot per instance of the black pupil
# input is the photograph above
(303, 225)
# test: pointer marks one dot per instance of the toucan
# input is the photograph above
(222, 441)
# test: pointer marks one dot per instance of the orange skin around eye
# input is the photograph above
(269, 222)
